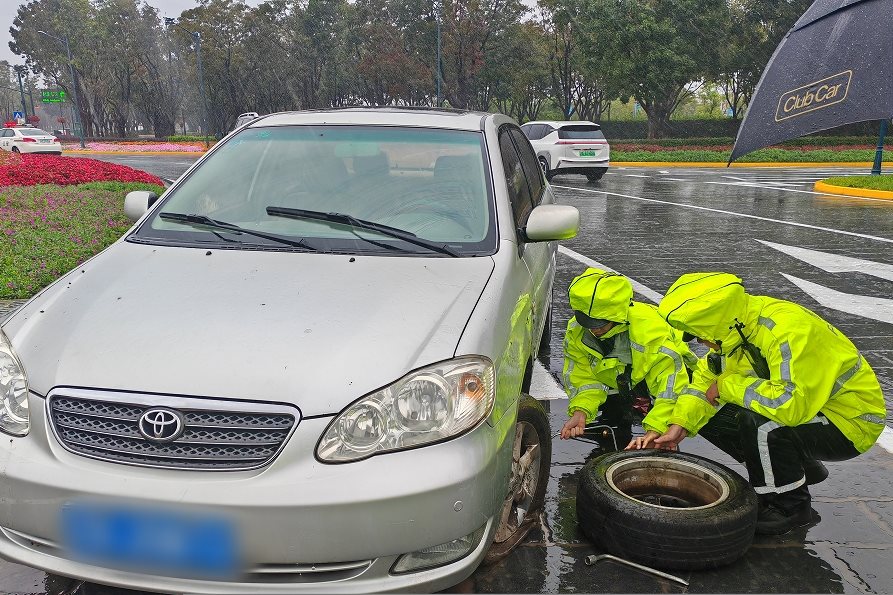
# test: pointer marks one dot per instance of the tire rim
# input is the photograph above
(667, 483)
(544, 166)
(524, 481)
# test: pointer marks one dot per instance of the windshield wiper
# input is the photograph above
(345, 219)
(205, 221)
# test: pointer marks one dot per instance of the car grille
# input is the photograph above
(212, 439)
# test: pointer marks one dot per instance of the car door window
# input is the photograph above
(519, 191)
(532, 170)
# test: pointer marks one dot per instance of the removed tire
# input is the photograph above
(666, 509)
(531, 457)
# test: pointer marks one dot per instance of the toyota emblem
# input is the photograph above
(161, 425)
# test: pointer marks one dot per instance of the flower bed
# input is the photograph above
(46, 230)
(137, 146)
(28, 170)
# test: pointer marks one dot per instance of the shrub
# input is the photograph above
(189, 138)
(872, 182)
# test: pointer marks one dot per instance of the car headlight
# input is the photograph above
(14, 418)
(429, 405)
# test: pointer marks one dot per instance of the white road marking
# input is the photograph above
(835, 263)
(880, 309)
(635, 176)
(745, 215)
(663, 171)
(543, 385)
(885, 440)
(638, 287)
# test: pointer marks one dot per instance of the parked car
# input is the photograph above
(569, 148)
(29, 140)
(302, 370)
(246, 117)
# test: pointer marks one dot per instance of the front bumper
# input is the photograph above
(302, 526)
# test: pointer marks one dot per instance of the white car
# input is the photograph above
(303, 370)
(29, 140)
(569, 148)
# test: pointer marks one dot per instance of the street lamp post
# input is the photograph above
(197, 37)
(74, 85)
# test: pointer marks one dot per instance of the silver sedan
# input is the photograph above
(302, 370)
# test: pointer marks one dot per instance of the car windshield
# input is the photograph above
(430, 183)
(34, 132)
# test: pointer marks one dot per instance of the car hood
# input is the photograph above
(314, 330)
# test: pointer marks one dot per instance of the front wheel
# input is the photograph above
(15, 150)
(531, 456)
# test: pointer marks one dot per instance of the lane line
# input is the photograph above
(638, 287)
(543, 385)
(745, 215)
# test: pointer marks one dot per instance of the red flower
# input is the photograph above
(51, 169)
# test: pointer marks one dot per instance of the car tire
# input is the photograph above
(666, 509)
(595, 175)
(531, 457)
(544, 165)
(15, 150)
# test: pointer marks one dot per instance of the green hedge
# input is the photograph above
(188, 138)
(716, 128)
(728, 141)
(761, 156)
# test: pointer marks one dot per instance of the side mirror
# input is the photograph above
(548, 223)
(136, 203)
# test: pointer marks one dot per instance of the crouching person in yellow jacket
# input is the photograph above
(792, 390)
(616, 349)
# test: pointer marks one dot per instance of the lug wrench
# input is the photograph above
(607, 430)
(590, 560)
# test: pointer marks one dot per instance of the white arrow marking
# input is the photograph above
(834, 263)
(861, 305)
(543, 385)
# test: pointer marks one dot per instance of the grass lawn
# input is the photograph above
(873, 182)
(47, 230)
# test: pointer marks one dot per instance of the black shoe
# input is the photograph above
(774, 520)
(815, 471)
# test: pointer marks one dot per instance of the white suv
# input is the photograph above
(569, 148)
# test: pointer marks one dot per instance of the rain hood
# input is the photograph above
(706, 305)
(601, 295)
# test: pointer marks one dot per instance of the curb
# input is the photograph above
(858, 192)
(79, 152)
(744, 164)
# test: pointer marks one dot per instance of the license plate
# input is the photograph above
(150, 539)
(45, 141)
(587, 153)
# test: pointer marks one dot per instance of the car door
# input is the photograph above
(4, 140)
(539, 256)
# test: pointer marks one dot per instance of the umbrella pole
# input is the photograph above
(879, 154)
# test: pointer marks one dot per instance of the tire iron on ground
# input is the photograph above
(590, 560)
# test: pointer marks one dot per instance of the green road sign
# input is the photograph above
(50, 96)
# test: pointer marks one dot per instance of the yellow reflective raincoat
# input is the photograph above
(643, 340)
(813, 368)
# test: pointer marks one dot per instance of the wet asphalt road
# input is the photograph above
(770, 228)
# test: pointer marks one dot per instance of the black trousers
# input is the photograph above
(774, 454)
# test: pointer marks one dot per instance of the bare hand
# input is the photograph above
(713, 394)
(575, 426)
(641, 442)
(671, 438)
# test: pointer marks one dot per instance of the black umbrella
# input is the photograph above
(834, 67)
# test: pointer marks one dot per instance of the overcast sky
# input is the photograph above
(8, 9)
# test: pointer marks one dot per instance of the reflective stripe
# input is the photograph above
(767, 322)
(636, 346)
(751, 395)
(696, 393)
(670, 390)
(763, 447)
(569, 388)
(594, 386)
(843, 378)
(871, 418)
(766, 460)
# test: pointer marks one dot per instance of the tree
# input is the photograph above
(652, 50)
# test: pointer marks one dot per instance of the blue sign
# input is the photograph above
(17, 115)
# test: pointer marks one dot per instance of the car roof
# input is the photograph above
(380, 116)
(563, 123)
